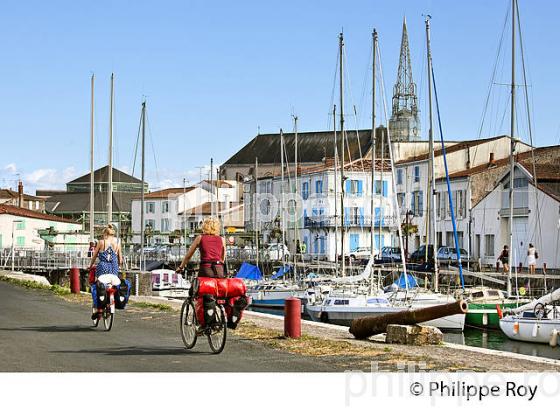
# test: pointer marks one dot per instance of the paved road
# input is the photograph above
(42, 332)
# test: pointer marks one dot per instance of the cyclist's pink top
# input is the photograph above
(211, 249)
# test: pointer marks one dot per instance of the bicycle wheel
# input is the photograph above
(96, 320)
(188, 324)
(108, 319)
(218, 332)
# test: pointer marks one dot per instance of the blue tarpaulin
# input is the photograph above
(401, 282)
(248, 271)
(282, 271)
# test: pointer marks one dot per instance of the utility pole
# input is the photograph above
(335, 193)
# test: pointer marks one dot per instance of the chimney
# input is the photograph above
(491, 160)
(20, 194)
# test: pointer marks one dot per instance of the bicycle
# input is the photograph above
(108, 310)
(216, 332)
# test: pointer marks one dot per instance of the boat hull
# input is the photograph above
(344, 317)
(529, 329)
(485, 315)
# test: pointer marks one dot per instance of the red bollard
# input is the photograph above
(292, 318)
(75, 280)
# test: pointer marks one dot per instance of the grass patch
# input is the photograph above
(146, 305)
(29, 284)
(306, 345)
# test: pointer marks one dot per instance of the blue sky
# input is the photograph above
(214, 72)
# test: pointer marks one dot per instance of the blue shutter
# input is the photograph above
(346, 216)
(377, 215)
(420, 203)
(348, 186)
(354, 241)
(361, 211)
(413, 203)
(385, 189)
(359, 188)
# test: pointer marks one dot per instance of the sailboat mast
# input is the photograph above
(341, 47)
(296, 232)
(282, 216)
(142, 227)
(432, 187)
(91, 166)
(256, 212)
(372, 212)
(212, 204)
(512, 143)
(335, 192)
(110, 173)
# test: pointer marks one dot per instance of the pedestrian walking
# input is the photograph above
(532, 256)
(504, 258)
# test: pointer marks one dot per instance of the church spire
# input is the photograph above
(405, 123)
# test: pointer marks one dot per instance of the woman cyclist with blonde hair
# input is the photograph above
(212, 250)
(110, 258)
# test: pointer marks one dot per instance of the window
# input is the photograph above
(150, 223)
(20, 226)
(20, 241)
(400, 201)
(399, 176)
(165, 225)
(489, 245)
(305, 190)
(319, 187)
(417, 173)
(378, 185)
(417, 203)
(354, 187)
(150, 207)
(165, 207)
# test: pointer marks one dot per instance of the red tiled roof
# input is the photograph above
(523, 158)
(166, 193)
(8, 193)
(27, 213)
(448, 150)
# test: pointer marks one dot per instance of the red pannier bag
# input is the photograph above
(207, 286)
(231, 288)
(91, 276)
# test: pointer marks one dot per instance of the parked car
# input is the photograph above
(447, 255)
(389, 254)
(275, 252)
(419, 255)
(362, 254)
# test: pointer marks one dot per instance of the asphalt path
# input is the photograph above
(41, 332)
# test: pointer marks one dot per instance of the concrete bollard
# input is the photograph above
(292, 318)
(75, 280)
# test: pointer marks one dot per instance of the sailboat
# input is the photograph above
(484, 303)
(342, 306)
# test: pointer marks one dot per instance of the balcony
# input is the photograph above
(319, 222)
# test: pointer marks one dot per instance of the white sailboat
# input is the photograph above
(535, 322)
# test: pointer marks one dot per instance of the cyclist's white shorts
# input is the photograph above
(109, 279)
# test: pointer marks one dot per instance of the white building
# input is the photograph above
(164, 211)
(313, 214)
(464, 159)
(29, 231)
(536, 217)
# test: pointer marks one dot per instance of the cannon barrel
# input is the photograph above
(364, 327)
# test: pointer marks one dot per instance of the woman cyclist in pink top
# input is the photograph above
(212, 250)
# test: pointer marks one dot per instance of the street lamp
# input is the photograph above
(13, 242)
